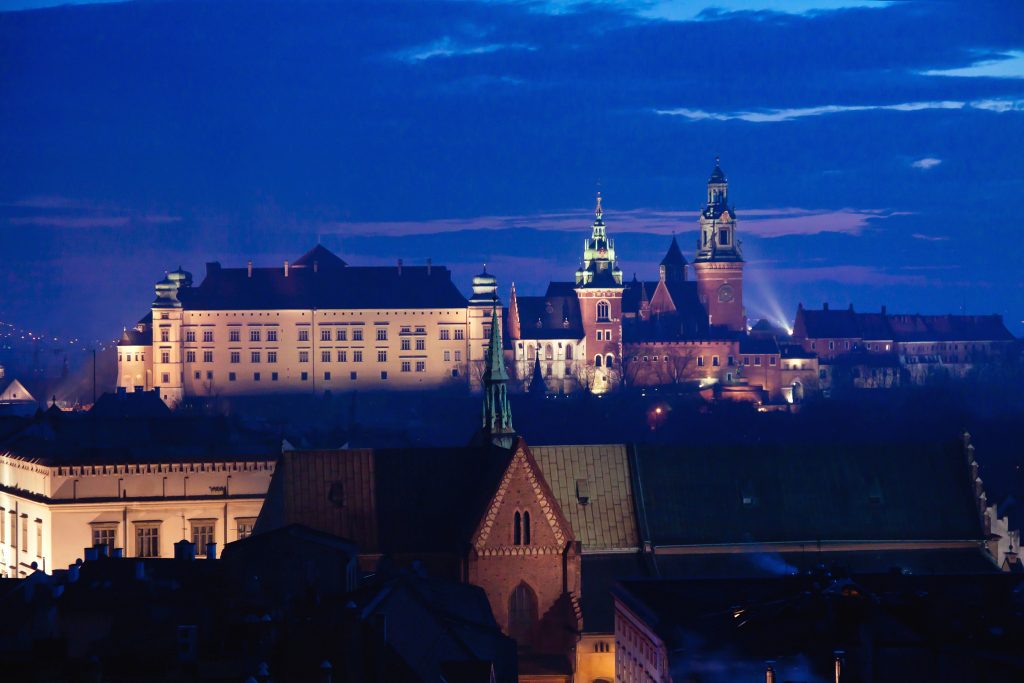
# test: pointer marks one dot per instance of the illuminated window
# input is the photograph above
(147, 539)
(271, 335)
(254, 335)
(234, 335)
(303, 335)
(245, 527)
(202, 535)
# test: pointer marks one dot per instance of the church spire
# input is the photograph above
(497, 414)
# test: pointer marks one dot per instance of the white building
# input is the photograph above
(59, 494)
(313, 326)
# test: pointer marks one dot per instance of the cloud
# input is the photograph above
(765, 223)
(691, 10)
(926, 163)
(449, 47)
(929, 238)
(54, 211)
(1007, 65)
(843, 274)
(789, 114)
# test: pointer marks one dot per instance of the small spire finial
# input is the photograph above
(598, 211)
(718, 161)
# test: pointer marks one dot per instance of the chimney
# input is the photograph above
(184, 550)
(286, 269)
(430, 265)
(140, 570)
(824, 306)
(250, 268)
(769, 674)
(211, 551)
(117, 553)
(91, 554)
(399, 266)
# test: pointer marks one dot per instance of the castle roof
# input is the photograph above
(846, 323)
(330, 285)
(555, 315)
(674, 256)
(321, 256)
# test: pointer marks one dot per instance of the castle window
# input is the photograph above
(383, 374)
(340, 334)
(165, 335)
(609, 361)
(147, 539)
(165, 356)
(190, 356)
(357, 334)
(568, 351)
(421, 344)
(304, 376)
(757, 360)
(327, 376)
(406, 366)
(325, 356)
(522, 614)
(487, 330)
(715, 361)
(207, 336)
(236, 357)
(273, 377)
(458, 356)
(303, 335)
(459, 334)
(382, 356)
(352, 375)
(271, 335)
(421, 366)
(603, 311)
(342, 356)
(382, 334)
(548, 372)
(254, 335)
(255, 377)
(271, 356)
(231, 377)
(357, 357)
(303, 356)
(723, 237)
(521, 528)
(771, 360)
(447, 356)
(254, 356)
(445, 335)
(600, 335)
(190, 335)
(597, 361)
(234, 335)
(529, 352)
(165, 378)
(202, 536)
(406, 345)
(700, 361)
(325, 335)
(549, 353)
(831, 345)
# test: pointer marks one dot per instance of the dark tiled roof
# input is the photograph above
(338, 287)
(674, 257)
(322, 257)
(805, 493)
(762, 345)
(135, 404)
(551, 312)
(631, 294)
(133, 337)
(846, 323)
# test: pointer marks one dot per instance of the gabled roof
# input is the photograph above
(550, 317)
(674, 256)
(797, 493)
(594, 490)
(15, 391)
(134, 404)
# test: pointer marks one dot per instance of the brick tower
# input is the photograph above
(719, 263)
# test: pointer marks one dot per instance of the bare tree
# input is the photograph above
(585, 375)
(677, 369)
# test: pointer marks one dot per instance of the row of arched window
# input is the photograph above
(521, 529)
(607, 361)
(549, 352)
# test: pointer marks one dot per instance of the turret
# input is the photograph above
(497, 414)
(167, 362)
(483, 302)
(719, 262)
(599, 265)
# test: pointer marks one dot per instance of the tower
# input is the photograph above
(719, 262)
(168, 365)
(599, 289)
(497, 414)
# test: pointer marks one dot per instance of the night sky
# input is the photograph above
(874, 150)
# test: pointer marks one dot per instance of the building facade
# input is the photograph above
(316, 325)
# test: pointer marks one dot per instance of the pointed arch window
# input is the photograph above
(521, 528)
(522, 614)
(568, 351)
(603, 311)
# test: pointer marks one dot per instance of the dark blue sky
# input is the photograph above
(874, 149)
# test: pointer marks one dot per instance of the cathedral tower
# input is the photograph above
(719, 263)
(497, 415)
(599, 288)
